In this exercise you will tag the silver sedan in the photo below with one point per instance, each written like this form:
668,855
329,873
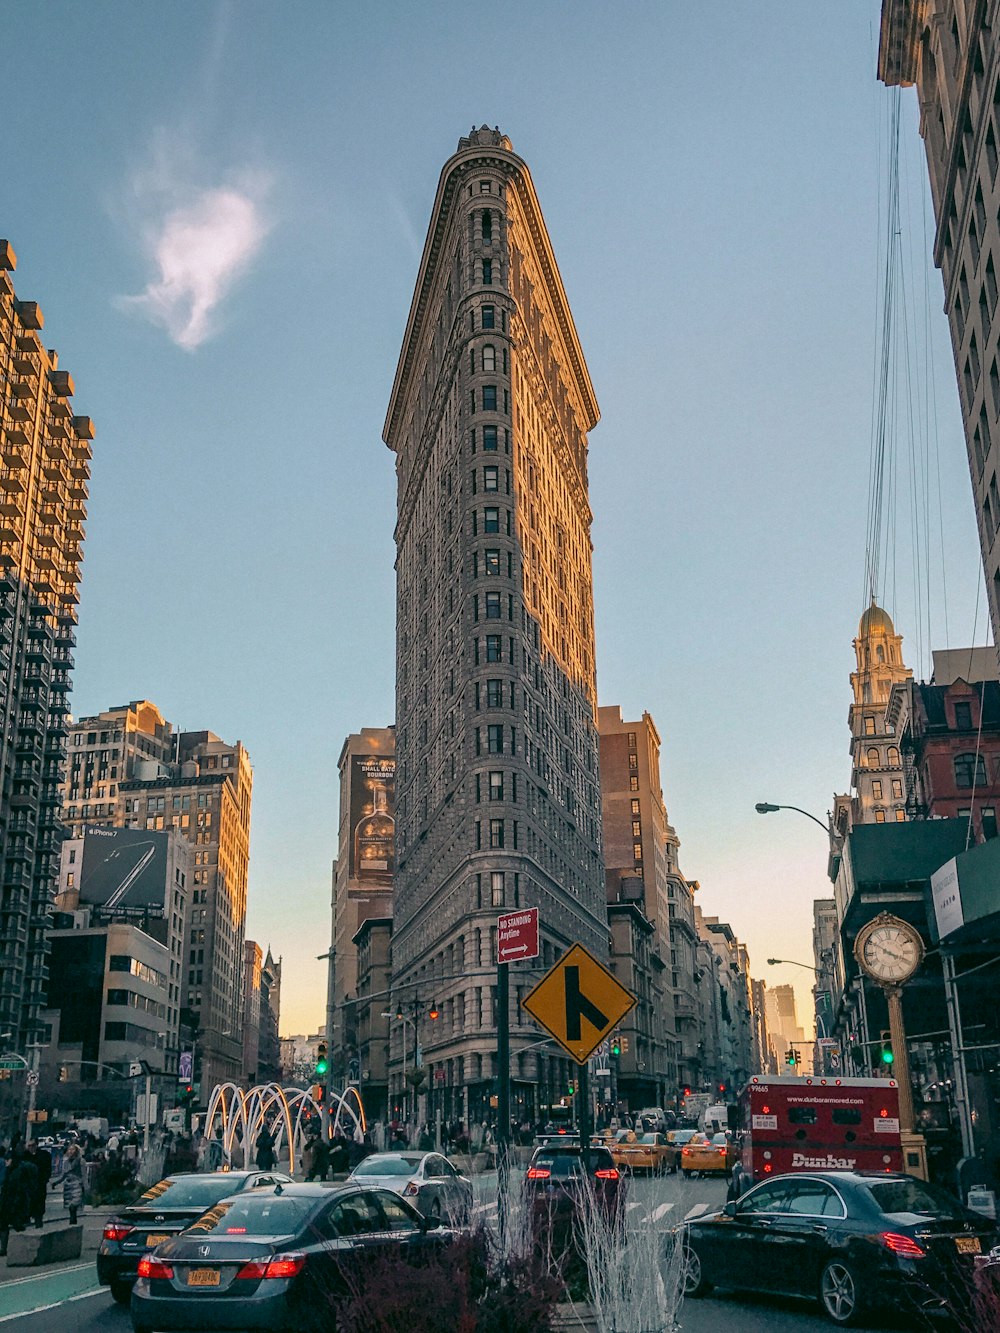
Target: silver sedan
426,1180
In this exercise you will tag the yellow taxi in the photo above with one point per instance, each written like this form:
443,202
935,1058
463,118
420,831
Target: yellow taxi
644,1152
706,1156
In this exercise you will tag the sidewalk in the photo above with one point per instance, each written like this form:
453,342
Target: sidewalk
93,1220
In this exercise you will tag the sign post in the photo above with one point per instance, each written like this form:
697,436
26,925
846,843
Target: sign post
517,938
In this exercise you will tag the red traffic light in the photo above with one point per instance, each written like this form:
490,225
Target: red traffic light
434,1011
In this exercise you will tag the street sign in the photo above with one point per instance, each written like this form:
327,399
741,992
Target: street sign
13,1062
135,1069
517,935
31,1078
578,1002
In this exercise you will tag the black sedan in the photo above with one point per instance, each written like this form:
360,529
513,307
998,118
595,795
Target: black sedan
855,1241
274,1258
164,1209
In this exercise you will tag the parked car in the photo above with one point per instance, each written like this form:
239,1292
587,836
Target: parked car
162,1211
273,1258
706,1156
646,1152
854,1240
426,1180
676,1139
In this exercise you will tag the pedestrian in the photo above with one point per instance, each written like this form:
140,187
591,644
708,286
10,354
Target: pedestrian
17,1194
73,1182
43,1167
322,1158
265,1150
309,1157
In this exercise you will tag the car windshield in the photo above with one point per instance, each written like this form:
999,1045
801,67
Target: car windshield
899,1198
683,1135
255,1214
650,1138
191,1191
388,1166
719,1139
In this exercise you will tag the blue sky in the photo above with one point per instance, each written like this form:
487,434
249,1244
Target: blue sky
220,210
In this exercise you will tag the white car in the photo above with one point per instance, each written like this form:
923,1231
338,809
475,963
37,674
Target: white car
427,1180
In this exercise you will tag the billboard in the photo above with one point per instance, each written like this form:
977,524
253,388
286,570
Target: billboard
373,828
124,870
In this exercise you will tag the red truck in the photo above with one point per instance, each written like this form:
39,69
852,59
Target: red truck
817,1124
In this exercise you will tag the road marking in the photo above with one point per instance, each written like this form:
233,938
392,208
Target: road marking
661,1211
54,1305
40,1277
697,1211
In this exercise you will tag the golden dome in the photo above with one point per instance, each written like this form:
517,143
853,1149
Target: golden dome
875,619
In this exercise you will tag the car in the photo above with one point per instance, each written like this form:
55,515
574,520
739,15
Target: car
166,1208
706,1156
646,1152
652,1119
426,1180
676,1139
853,1240
558,1187
272,1258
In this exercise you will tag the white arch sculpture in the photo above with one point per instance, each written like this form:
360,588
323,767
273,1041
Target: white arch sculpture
242,1114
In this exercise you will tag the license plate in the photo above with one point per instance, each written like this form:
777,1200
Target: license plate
204,1277
968,1245
156,1240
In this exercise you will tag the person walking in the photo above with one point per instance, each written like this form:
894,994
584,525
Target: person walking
43,1165
17,1194
265,1150
73,1182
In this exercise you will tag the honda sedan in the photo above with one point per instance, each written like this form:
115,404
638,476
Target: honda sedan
274,1259
854,1240
426,1180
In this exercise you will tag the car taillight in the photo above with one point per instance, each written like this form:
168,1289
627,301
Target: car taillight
903,1245
255,1268
412,1189
116,1231
607,1173
154,1268
286,1265
538,1173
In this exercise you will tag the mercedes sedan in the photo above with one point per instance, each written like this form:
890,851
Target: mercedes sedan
854,1240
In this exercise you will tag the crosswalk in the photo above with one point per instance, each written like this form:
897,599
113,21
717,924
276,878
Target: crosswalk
488,1208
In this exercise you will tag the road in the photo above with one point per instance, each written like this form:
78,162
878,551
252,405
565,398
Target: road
68,1301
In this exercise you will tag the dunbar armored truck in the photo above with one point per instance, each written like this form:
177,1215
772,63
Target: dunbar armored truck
817,1124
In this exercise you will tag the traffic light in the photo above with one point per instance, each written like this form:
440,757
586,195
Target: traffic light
790,1056
625,1045
571,1087
887,1055
616,1047
322,1064
187,1095
316,1092
798,1057
433,1012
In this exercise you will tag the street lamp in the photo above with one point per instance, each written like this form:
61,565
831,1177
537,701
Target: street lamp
766,808
773,962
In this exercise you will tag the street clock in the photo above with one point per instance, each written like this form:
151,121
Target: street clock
889,950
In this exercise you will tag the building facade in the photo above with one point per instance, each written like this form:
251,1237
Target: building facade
45,451
497,792
949,50
130,769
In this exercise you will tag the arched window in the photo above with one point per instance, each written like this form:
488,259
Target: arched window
873,758
880,654
487,225
970,771
893,757
490,358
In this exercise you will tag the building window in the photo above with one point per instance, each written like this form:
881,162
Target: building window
897,789
496,786
988,816
485,187
633,782
963,716
491,520
496,833
496,888
970,771
631,740
900,816
487,272
637,851
879,816
491,478
494,692
636,828
494,652
487,225
873,758
488,314
876,789
633,761
489,358
635,807
494,739
489,397
869,726
491,562
492,606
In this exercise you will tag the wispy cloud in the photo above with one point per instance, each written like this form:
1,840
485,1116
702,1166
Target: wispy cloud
200,239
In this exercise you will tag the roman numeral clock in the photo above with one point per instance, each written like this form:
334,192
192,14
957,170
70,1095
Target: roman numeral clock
889,950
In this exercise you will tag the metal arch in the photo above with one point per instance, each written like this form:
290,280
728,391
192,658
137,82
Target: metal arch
247,1110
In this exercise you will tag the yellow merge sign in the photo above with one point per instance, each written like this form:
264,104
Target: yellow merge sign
578,1002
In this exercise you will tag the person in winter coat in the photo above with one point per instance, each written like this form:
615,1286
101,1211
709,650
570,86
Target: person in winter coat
43,1165
265,1150
73,1182
17,1195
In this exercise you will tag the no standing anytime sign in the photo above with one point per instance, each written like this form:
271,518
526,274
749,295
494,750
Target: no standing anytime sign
517,935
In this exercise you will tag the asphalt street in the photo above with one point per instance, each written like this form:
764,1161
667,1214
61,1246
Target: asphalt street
68,1300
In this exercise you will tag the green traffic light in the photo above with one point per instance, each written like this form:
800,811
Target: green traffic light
887,1057
321,1066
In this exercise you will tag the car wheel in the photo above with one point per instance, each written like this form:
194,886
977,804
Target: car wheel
693,1275
121,1292
436,1209
840,1294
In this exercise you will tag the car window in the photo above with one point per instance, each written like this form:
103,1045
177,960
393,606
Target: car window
769,1198
397,1216
388,1166
436,1166
191,1191
802,1115
253,1214
357,1215
911,1196
812,1198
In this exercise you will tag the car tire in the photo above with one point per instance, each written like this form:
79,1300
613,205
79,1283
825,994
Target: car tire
436,1209
693,1276
121,1292
840,1294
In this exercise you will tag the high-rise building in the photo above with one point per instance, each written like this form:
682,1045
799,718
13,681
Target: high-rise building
949,50
497,791
44,466
877,776
128,768
269,1042
362,878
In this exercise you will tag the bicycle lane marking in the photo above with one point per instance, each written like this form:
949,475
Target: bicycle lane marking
43,1291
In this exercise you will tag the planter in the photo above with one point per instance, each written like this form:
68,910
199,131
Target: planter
574,1317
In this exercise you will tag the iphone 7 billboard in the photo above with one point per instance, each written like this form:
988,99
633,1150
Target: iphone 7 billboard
123,869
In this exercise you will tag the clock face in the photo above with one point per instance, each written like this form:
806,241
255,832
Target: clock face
892,952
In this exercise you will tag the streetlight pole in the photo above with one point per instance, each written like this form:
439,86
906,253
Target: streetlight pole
767,808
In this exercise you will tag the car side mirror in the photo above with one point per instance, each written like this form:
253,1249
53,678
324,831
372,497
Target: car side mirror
430,1224
730,1209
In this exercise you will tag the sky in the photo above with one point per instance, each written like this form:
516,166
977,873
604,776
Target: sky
220,209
